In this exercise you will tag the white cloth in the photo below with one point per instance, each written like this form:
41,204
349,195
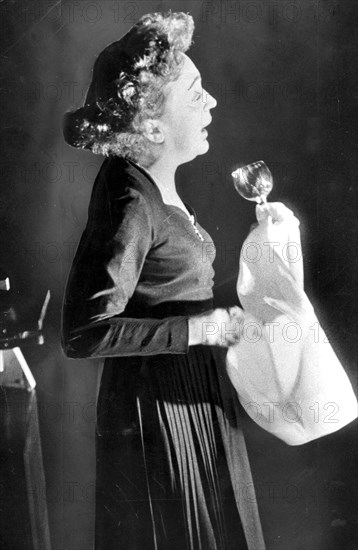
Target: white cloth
285,372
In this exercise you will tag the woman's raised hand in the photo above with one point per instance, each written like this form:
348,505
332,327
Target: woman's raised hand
275,212
219,327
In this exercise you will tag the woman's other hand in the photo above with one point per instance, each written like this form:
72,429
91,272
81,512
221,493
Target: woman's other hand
220,327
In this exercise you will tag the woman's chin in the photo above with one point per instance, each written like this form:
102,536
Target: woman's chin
201,150
204,147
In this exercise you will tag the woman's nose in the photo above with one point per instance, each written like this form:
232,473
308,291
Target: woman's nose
210,102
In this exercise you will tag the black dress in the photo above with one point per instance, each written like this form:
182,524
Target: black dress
172,466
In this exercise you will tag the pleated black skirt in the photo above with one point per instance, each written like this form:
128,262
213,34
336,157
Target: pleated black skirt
172,465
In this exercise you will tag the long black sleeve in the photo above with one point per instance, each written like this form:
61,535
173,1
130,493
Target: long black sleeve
103,278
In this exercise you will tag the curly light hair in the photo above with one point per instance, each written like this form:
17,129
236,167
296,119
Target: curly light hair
128,86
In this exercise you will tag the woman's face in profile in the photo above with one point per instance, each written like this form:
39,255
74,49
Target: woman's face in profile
186,114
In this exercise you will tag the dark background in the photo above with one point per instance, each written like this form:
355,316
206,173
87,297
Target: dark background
284,75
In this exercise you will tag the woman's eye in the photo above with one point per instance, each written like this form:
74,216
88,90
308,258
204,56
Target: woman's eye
197,96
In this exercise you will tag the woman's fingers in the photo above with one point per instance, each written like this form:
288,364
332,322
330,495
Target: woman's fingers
231,330
236,314
277,211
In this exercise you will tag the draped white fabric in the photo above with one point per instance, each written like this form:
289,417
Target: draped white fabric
286,374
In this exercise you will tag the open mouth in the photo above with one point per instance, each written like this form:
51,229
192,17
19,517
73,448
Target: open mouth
204,127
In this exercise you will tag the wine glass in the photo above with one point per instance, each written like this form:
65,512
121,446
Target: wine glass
253,182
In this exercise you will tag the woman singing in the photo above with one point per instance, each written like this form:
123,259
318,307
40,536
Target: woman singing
172,466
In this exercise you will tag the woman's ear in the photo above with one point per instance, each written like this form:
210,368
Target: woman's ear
153,131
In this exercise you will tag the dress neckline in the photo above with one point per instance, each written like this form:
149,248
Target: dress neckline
190,209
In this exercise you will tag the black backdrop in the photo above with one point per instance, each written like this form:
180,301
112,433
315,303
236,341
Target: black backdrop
284,75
